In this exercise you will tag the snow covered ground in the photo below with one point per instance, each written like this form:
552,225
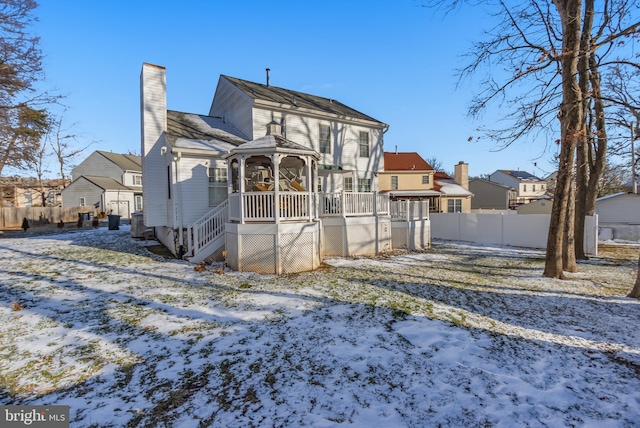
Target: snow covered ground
459,335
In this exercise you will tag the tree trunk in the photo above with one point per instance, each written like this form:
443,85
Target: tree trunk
636,288
582,149
569,251
571,125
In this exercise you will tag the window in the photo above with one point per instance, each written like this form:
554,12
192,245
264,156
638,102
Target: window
28,200
283,128
218,191
325,139
394,182
218,175
137,180
524,187
454,205
364,185
168,181
348,184
319,184
425,179
542,187
83,202
534,187
363,142
138,202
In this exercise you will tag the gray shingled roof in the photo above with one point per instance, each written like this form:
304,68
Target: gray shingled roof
521,175
126,162
106,183
198,127
274,94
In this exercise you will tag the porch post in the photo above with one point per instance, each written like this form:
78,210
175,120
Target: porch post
407,205
241,189
307,160
275,159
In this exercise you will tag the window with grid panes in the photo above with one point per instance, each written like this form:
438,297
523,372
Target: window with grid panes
363,143
364,185
394,182
325,139
218,192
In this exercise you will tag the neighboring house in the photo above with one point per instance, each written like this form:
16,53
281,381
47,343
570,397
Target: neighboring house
490,195
528,187
407,176
456,197
106,182
27,192
184,155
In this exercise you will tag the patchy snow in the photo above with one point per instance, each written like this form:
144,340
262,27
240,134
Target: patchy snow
459,335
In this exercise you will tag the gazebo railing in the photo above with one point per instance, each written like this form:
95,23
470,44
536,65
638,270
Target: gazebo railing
296,206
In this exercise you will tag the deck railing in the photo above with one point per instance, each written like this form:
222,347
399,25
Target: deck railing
350,204
409,210
208,227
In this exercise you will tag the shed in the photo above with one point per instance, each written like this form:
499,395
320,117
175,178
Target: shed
619,208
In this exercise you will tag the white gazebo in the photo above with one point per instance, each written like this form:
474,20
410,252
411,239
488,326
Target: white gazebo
273,221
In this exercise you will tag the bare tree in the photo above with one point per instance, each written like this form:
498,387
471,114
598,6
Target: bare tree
23,118
542,60
435,163
65,144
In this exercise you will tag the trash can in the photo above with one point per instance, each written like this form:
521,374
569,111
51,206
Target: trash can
114,222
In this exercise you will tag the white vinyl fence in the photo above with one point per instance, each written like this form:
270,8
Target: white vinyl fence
522,230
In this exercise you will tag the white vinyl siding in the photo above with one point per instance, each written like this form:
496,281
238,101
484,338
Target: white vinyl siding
305,130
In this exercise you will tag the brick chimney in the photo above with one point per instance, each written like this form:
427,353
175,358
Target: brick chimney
461,174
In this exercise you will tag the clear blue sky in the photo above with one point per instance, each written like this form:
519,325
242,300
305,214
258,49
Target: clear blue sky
393,60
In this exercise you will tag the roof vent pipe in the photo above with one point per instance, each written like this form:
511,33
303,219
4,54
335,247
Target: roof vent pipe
268,70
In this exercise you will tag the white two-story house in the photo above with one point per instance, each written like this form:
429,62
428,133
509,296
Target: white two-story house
184,155
106,182
528,187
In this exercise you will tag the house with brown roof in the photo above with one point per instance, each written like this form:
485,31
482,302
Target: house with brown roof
407,176
106,182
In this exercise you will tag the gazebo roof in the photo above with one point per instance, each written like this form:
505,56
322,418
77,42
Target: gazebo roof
272,143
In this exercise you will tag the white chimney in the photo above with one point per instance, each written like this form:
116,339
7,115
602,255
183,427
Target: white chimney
153,123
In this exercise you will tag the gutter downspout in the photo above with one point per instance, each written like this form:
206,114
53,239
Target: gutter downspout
178,208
